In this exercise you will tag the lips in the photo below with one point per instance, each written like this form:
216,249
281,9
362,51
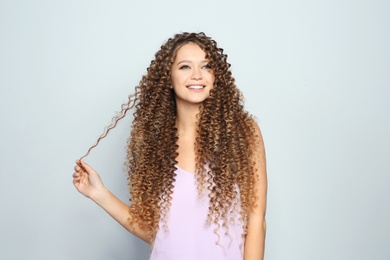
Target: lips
196,86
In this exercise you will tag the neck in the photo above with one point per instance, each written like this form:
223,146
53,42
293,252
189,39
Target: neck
186,120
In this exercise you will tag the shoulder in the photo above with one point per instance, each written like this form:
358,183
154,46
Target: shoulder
256,132
257,147
255,126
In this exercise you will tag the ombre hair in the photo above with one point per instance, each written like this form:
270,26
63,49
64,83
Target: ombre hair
224,144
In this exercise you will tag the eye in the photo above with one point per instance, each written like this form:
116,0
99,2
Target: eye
207,67
184,67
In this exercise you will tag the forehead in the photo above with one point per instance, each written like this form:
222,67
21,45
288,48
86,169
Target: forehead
190,51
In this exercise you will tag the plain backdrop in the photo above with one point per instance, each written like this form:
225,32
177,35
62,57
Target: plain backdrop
316,74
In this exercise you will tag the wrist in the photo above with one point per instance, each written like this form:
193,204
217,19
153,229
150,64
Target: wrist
99,196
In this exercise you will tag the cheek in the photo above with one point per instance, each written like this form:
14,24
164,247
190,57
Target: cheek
173,79
211,79
177,77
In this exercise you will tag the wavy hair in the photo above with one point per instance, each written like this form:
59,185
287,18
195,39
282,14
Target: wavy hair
224,144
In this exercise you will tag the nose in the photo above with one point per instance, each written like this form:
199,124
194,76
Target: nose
196,74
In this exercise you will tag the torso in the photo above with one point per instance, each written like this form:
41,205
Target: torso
189,236
186,158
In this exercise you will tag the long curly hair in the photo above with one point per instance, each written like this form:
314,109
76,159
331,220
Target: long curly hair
224,144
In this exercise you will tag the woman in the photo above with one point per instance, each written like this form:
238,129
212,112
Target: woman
195,158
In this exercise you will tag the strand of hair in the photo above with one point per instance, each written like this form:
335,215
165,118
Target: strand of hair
114,121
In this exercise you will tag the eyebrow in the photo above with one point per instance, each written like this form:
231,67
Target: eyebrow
190,61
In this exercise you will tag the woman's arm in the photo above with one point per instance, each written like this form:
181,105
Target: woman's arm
255,237
87,181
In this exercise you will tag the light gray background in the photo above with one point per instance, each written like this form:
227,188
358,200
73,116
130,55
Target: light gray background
314,73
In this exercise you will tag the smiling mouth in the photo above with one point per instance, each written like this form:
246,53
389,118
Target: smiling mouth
196,86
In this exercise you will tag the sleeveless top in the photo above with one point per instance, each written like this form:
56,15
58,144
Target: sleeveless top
189,236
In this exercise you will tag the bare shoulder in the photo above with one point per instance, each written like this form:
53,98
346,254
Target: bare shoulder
259,159
259,149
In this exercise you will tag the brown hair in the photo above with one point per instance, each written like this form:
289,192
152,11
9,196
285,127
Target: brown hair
224,144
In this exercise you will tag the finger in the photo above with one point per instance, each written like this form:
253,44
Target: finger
76,177
76,182
80,167
79,163
85,166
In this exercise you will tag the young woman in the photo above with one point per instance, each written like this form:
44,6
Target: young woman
195,159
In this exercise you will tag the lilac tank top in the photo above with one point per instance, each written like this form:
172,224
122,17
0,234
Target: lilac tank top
189,237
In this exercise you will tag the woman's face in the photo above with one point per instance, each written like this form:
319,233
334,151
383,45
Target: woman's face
192,78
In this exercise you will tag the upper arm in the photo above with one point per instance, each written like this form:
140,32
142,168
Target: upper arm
255,237
260,174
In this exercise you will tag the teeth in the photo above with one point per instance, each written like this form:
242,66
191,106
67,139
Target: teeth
195,87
